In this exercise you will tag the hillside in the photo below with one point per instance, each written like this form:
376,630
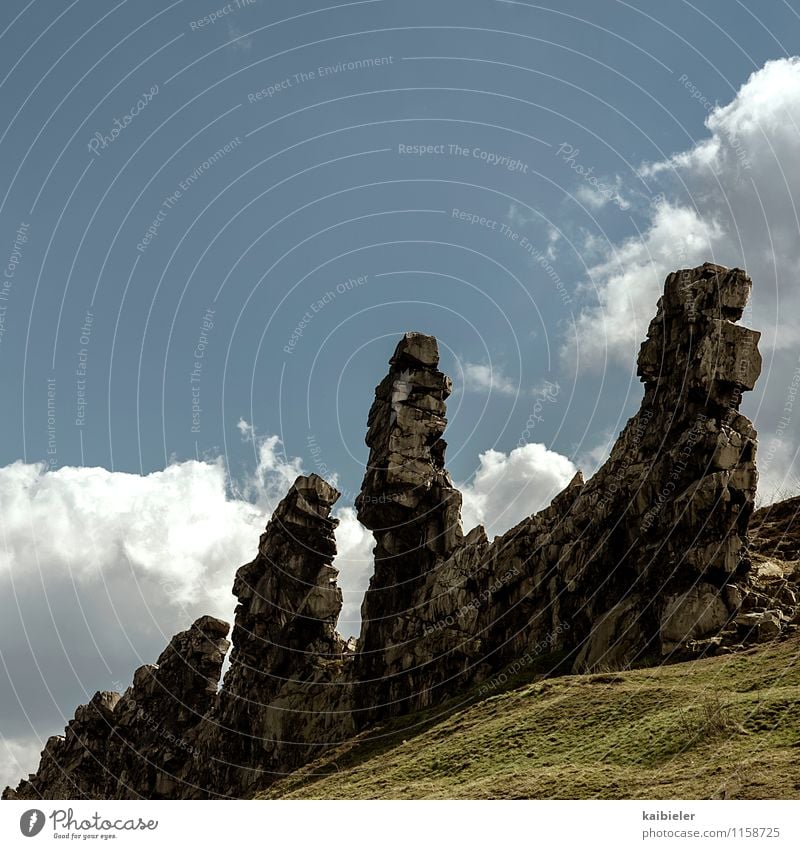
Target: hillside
724,727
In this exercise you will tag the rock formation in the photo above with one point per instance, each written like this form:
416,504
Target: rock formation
771,596
644,559
410,504
648,561
154,719
288,664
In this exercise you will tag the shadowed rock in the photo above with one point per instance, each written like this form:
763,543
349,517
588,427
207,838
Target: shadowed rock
286,691
410,504
132,746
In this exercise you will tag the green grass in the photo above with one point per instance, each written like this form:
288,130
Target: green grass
725,727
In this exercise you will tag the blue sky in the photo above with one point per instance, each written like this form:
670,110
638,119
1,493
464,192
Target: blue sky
317,193
218,219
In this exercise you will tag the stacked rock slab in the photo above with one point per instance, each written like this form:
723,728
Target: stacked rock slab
683,475
645,558
134,746
410,504
286,693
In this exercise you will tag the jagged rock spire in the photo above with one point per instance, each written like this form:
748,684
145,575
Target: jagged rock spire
407,500
287,655
288,597
683,474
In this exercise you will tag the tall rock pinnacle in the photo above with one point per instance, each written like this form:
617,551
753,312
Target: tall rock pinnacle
406,489
678,490
287,659
407,498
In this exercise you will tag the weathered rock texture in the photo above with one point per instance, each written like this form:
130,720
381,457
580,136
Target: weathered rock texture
410,504
642,560
286,692
647,561
770,598
155,718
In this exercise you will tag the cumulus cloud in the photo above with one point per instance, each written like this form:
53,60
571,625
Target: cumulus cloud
628,281
508,487
274,472
18,758
482,377
355,563
732,198
176,527
97,570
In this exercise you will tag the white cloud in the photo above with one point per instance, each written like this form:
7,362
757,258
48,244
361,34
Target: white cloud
355,564
480,377
18,758
733,199
275,472
508,487
627,283
596,198
97,570
174,527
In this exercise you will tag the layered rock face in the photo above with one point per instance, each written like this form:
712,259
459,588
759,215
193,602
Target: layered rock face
410,504
155,718
678,489
286,692
647,561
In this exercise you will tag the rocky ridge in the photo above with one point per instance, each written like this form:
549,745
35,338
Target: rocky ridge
648,561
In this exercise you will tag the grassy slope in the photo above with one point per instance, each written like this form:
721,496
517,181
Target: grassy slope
726,727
